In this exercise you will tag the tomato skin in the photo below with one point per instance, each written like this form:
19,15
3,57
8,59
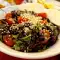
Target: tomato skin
18,1
8,15
10,21
21,19
8,40
44,15
9,18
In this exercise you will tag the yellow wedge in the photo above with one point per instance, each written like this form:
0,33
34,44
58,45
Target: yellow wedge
2,6
45,4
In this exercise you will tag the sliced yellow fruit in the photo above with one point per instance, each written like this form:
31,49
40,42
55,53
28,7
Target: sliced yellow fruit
2,6
9,1
45,4
40,1
48,5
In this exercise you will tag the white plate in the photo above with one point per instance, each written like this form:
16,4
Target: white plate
52,51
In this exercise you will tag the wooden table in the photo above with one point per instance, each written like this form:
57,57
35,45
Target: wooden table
7,57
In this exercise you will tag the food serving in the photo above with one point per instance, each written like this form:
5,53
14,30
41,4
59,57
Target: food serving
27,31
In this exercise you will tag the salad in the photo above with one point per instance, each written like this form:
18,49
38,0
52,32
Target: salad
27,31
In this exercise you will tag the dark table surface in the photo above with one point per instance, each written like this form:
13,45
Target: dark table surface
7,57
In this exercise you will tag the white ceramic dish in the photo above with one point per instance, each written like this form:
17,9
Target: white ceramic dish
52,51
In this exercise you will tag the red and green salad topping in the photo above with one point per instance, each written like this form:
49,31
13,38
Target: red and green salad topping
27,31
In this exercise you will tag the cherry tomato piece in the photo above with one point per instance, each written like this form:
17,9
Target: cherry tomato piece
8,40
44,15
10,21
8,15
21,19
